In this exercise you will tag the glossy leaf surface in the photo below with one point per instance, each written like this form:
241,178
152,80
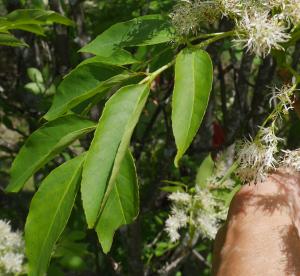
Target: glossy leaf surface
110,143
193,83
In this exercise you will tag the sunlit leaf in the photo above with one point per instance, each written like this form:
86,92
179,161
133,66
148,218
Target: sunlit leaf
108,148
144,30
193,83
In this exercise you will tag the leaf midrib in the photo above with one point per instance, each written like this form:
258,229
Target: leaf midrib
120,202
111,184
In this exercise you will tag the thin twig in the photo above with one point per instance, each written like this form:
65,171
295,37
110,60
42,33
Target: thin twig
200,257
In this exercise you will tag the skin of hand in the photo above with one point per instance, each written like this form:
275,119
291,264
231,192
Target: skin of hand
261,234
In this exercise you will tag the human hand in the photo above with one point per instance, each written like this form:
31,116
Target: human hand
261,234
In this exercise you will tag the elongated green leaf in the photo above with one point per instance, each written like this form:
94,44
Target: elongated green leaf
116,57
9,40
193,83
43,145
83,83
36,29
80,84
111,140
49,212
144,30
36,16
4,23
205,171
115,60
122,205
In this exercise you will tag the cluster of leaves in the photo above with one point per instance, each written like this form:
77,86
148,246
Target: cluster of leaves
127,78
30,20
107,172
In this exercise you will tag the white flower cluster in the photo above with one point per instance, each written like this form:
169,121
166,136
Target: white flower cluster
188,16
178,219
291,10
234,8
11,250
261,25
284,97
256,157
201,210
260,33
291,159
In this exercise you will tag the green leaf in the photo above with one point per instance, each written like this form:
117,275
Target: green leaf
111,140
193,83
43,145
35,75
117,56
34,87
4,24
122,205
80,84
144,30
115,60
205,171
49,212
10,40
172,189
36,29
36,16
38,4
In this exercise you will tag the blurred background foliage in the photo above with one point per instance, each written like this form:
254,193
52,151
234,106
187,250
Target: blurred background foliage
28,80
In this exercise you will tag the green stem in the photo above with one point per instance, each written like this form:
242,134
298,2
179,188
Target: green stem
278,107
206,36
144,64
231,169
214,39
154,74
